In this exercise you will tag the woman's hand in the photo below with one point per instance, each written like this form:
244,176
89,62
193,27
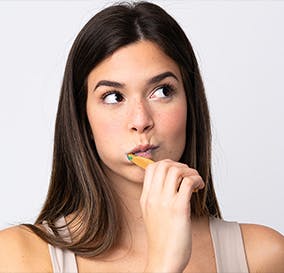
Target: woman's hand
165,204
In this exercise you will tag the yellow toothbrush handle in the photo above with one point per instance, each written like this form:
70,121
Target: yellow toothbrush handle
139,160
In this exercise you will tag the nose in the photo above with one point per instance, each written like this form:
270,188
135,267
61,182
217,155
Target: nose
140,118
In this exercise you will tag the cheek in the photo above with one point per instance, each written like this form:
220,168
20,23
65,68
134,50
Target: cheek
174,122
104,128
174,131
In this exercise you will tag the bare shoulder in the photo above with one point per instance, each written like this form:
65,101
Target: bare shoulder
23,251
264,248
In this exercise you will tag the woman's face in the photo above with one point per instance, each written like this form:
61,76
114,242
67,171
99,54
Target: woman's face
136,103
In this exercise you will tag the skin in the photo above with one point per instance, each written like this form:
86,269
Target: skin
158,233
145,114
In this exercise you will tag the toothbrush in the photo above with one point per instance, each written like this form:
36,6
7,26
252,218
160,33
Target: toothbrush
139,160
143,162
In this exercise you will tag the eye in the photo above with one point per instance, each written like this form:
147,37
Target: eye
164,91
112,97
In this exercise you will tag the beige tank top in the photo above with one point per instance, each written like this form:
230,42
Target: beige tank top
226,237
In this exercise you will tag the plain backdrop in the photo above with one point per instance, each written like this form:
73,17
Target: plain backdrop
240,48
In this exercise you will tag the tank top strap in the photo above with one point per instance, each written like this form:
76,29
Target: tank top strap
62,260
228,246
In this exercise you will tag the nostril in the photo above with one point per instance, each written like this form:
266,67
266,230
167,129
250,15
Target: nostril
140,119
147,128
143,129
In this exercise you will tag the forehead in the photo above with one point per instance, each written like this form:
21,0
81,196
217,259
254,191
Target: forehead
140,61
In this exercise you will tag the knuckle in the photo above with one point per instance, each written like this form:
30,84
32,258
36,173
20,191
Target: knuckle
184,165
167,160
195,172
187,181
175,171
164,164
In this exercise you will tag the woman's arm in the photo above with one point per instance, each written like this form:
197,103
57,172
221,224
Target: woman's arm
264,248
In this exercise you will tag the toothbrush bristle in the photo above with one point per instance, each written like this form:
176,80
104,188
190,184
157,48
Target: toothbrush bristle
129,156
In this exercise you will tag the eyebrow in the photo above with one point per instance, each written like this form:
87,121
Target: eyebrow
151,81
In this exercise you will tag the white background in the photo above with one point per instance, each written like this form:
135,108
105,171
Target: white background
240,48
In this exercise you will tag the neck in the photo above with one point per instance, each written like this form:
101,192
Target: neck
133,230
133,235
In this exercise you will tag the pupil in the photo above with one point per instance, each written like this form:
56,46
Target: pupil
166,91
118,97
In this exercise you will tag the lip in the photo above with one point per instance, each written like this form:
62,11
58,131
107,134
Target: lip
143,150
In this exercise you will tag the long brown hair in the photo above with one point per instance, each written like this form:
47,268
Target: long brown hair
78,185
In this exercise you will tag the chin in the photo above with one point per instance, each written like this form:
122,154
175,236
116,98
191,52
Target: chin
136,177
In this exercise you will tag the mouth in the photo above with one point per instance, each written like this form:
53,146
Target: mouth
144,150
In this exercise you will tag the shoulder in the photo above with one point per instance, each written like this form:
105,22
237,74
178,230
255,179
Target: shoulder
23,251
264,248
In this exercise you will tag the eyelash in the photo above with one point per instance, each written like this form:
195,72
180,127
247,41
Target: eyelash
109,93
169,86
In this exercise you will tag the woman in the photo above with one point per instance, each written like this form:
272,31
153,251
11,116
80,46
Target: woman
132,85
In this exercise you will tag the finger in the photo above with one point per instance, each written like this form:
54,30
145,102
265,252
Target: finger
148,178
160,175
154,180
175,176
188,185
